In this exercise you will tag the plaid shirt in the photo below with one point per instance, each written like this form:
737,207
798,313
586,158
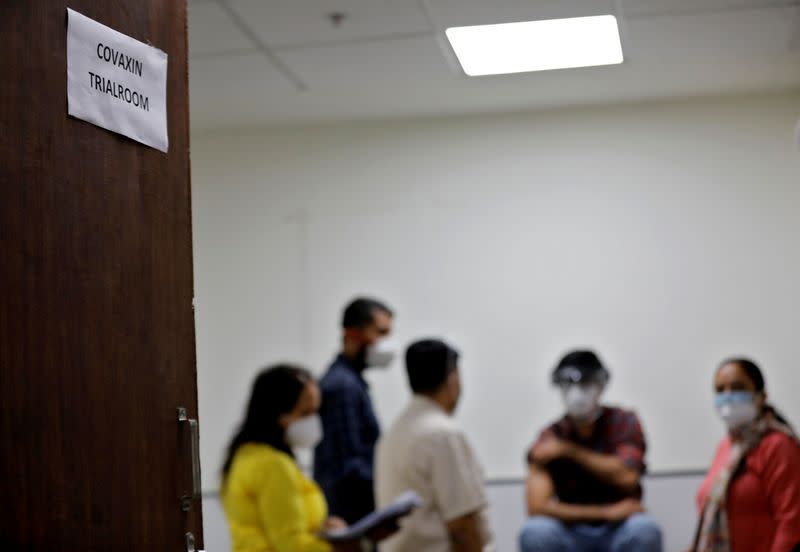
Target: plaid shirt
616,432
350,428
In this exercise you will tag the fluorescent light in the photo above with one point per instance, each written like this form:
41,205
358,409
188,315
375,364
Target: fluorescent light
537,45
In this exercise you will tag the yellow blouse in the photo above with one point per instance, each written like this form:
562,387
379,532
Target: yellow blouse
271,505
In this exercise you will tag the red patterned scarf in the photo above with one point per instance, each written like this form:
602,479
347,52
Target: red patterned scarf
712,531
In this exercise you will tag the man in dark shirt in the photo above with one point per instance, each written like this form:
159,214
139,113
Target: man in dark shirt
343,462
584,489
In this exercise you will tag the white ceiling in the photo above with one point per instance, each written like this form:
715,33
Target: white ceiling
262,62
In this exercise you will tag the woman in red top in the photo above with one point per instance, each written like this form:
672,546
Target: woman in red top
750,499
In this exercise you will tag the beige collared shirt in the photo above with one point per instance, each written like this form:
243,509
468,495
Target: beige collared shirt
425,451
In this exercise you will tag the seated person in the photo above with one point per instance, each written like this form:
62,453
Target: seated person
750,499
426,452
270,505
584,489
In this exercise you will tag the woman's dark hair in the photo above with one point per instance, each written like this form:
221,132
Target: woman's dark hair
756,376
275,392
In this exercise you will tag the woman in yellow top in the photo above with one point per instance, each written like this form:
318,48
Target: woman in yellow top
270,504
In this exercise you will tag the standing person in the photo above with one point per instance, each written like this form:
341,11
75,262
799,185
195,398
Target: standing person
584,489
270,505
425,451
343,463
750,499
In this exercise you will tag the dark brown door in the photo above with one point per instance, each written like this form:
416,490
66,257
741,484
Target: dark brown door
96,320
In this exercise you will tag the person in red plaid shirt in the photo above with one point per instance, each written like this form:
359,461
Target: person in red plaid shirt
584,490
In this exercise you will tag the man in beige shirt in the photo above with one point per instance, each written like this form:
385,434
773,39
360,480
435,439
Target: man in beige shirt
425,451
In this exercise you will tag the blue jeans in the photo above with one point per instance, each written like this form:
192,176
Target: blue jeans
639,533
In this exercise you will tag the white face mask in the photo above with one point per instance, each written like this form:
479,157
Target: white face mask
381,354
582,401
305,432
737,408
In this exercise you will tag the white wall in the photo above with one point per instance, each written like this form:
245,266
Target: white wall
662,234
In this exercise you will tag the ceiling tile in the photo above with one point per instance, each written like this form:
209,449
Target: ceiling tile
637,8
455,13
211,31
712,37
406,74
297,22
220,86
404,62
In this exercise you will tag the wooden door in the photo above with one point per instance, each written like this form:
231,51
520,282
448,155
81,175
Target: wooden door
96,319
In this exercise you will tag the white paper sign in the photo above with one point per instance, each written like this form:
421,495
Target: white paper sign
116,82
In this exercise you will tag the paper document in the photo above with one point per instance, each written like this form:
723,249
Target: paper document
116,82
402,506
